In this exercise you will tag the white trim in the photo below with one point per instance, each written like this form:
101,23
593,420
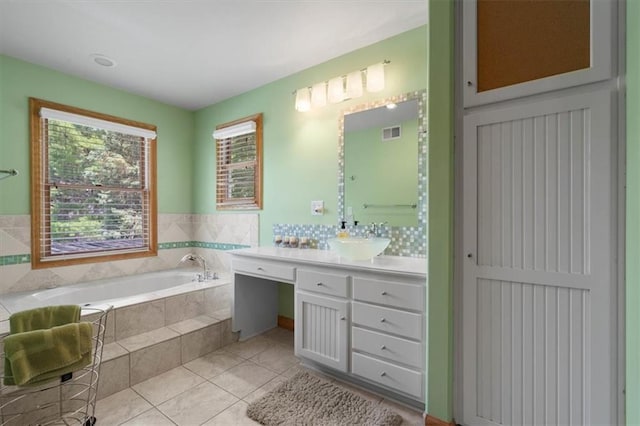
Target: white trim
83,120
239,129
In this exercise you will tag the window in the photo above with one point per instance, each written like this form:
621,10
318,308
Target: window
239,164
93,186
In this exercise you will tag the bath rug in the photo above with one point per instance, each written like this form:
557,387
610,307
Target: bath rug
309,400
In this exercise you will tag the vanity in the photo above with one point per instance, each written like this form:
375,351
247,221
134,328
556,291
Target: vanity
360,321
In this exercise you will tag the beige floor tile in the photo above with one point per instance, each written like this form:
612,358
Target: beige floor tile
152,417
243,379
120,407
264,389
278,358
250,347
165,386
232,416
213,364
198,405
410,416
280,335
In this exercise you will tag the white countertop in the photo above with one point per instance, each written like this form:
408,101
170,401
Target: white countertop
395,264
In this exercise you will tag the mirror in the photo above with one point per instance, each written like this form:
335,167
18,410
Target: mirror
383,176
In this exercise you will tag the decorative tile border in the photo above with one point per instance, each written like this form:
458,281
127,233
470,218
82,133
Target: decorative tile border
17,259
406,241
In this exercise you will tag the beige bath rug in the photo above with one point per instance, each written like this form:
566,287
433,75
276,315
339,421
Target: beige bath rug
309,400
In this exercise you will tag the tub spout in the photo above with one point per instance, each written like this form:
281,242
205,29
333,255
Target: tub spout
191,257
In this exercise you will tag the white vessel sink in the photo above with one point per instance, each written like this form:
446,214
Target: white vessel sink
358,248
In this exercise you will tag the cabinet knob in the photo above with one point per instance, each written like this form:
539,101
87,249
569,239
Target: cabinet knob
383,319
383,347
383,374
469,83
260,268
318,284
384,293
343,318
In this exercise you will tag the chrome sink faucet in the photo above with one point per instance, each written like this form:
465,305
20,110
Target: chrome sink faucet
374,229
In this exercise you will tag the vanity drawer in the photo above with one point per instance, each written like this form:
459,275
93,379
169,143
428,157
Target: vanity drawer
389,320
321,282
385,346
272,270
405,296
387,374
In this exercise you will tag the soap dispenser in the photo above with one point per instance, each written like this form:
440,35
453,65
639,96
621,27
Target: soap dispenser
343,233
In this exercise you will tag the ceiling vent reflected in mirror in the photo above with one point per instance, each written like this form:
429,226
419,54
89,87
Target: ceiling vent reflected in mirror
391,133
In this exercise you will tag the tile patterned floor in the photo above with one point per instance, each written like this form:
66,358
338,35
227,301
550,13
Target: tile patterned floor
214,390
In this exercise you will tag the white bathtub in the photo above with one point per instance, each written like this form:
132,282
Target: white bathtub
118,292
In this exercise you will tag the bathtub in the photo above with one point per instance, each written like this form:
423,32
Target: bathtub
118,292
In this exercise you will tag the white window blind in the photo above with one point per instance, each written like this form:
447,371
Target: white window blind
95,186
236,170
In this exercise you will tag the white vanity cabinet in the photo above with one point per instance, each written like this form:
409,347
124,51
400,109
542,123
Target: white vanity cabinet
363,320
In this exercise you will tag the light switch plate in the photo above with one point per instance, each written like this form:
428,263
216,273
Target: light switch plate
317,208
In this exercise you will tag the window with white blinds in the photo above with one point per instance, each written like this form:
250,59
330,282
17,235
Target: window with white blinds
239,164
93,185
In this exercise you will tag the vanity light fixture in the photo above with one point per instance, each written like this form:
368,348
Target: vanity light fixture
239,129
338,89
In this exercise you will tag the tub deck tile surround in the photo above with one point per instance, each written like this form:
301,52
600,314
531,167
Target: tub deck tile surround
153,360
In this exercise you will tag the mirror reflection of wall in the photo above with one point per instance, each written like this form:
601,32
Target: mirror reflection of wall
380,165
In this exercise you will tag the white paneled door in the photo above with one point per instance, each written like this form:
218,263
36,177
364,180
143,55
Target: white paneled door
539,236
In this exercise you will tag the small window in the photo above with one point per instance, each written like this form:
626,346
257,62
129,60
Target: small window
93,186
239,164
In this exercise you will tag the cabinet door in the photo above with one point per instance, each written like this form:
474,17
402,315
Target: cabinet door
322,330
513,49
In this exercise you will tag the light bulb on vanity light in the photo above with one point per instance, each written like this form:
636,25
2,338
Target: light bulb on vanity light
375,77
319,95
303,100
335,91
354,84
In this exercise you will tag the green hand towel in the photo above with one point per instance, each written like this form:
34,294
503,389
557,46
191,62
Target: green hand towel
41,355
41,318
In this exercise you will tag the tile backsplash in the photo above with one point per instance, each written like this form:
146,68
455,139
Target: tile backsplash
178,234
405,240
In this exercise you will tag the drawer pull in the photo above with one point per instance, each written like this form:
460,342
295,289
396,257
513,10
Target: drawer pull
318,284
343,318
260,268
383,320
383,347
383,374
384,293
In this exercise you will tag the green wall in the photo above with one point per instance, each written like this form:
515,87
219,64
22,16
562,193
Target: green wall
633,212
301,149
20,80
440,206
384,172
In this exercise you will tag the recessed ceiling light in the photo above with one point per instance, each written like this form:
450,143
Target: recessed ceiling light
391,106
103,60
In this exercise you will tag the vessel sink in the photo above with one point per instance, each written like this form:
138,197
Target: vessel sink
358,248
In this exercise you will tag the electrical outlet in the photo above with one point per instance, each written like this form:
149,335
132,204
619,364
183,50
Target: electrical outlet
317,208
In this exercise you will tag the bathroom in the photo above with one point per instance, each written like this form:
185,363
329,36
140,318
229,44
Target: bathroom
300,159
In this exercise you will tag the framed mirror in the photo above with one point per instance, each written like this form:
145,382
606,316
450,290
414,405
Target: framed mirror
382,164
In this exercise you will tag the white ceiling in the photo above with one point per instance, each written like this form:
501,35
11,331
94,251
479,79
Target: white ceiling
194,53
